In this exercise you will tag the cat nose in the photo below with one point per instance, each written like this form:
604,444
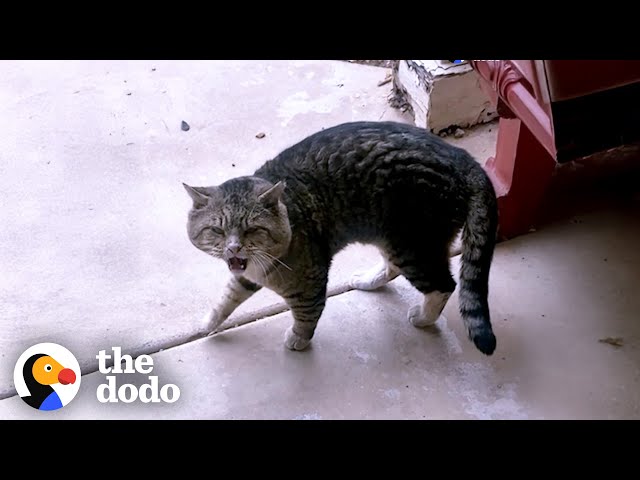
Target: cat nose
234,247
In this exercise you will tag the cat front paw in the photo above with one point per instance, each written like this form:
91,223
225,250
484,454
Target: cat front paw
293,341
212,320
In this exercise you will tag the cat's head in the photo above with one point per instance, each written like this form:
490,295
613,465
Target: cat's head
240,221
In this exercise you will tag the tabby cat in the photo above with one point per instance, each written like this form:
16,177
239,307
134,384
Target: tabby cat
388,184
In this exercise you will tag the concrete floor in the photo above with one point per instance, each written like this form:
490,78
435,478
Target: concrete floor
95,255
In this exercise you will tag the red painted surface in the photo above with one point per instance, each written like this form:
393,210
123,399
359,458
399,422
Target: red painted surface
515,97
526,151
521,172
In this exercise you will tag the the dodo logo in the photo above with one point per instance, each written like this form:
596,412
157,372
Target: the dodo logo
47,376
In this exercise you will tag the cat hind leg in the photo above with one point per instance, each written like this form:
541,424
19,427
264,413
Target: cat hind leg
428,312
432,277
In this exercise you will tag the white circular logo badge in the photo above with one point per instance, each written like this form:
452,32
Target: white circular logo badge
47,376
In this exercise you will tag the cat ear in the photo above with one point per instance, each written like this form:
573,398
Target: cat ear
271,196
198,195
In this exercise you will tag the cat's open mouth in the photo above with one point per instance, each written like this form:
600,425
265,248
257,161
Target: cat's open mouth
237,264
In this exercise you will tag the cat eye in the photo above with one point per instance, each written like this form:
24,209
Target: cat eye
251,230
216,230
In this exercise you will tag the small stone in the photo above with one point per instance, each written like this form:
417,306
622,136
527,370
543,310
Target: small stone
184,126
261,135
459,133
614,341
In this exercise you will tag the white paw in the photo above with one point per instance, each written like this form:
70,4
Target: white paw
294,342
418,319
212,321
370,279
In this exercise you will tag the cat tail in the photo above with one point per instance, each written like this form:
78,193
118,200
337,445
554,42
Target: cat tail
478,243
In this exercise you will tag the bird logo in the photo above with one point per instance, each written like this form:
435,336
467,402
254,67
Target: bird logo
47,376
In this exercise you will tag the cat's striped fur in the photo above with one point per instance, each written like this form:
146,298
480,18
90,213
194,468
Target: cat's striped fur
388,184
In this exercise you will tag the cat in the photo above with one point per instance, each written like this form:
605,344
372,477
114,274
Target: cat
388,184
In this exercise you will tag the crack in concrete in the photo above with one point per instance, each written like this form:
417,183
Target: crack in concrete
241,320
244,319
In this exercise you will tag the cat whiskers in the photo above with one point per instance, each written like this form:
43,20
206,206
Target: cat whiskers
259,254
265,263
262,252
260,263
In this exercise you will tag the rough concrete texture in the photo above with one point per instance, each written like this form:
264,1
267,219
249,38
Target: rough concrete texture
479,140
93,244
554,295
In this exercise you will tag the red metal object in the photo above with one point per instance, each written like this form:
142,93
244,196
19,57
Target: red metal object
521,172
525,150
526,93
